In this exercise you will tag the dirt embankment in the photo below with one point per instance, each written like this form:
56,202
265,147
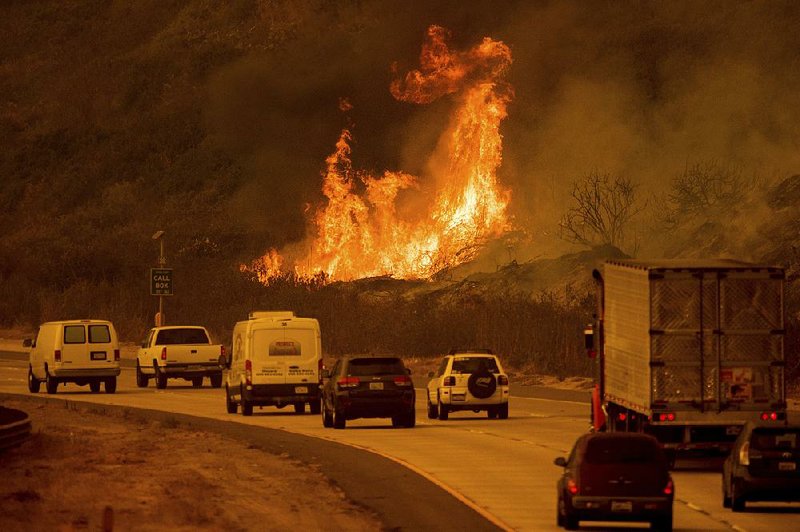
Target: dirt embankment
98,469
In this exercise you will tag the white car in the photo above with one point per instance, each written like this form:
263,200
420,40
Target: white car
468,380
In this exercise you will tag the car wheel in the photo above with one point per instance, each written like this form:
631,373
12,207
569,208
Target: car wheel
726,499
50,382
560,512
570,519
216,380
161,377
230,406
314,407
33,382
299,408
502,411
491,412
663,523
247,406
141,378
94,386
482,384
433,410
410,419
737,499
339,421
444,411
327,418
111,385
397,421
197,382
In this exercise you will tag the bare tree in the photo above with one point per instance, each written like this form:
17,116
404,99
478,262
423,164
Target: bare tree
603,207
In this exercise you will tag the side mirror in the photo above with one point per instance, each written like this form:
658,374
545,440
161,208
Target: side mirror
27,342
560,461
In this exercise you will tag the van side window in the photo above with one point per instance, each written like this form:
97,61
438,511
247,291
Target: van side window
74,334
99,334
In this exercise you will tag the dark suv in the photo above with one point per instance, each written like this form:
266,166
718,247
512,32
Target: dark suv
615,476
368,387
764,465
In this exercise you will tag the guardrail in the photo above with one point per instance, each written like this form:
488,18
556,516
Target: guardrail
16,427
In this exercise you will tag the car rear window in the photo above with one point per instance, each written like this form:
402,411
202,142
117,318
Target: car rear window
74,334
621,450
99,334
182,336
473,364
768,439
375,366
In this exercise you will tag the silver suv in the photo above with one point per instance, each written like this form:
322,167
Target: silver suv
468,380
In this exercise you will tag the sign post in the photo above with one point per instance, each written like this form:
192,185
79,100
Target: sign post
160,280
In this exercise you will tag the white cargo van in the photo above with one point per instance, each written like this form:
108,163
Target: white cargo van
276,361
79,351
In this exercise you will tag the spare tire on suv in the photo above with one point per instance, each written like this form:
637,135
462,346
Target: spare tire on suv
482,384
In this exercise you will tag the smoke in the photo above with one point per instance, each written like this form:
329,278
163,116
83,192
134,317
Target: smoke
629,88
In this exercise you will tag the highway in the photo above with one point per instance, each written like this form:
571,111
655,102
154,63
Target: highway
502,468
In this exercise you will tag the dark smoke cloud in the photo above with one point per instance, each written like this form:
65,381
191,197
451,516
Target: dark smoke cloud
639,89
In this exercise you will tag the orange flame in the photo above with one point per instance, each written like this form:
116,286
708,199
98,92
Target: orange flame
361,235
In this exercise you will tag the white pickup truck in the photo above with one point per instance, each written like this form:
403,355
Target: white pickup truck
179,352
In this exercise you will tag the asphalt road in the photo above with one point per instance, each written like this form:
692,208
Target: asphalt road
501,469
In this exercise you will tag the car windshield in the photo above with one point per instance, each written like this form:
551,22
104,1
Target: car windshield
182,336
621,450
474,364
767,439
375,366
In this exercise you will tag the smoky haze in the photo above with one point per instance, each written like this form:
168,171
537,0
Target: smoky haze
641,90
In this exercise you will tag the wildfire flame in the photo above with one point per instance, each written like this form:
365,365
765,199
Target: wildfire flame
361,235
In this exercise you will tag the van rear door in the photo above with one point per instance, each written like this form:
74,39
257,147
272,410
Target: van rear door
285,354
87,345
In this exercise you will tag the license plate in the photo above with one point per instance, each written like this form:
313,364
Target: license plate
787,466
459,397
98,355
376,386
195,368
301,389
621,506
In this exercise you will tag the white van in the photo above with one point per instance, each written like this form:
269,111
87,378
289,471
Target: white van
78,351
276,360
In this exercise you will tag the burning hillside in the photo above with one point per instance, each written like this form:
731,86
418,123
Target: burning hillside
359,232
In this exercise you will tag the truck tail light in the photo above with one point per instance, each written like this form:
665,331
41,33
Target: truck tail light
116,355
502,380
403,380
770,416
248,372
348,382
572,487
669,488
57,355
163,353
449,381
666,416
744,454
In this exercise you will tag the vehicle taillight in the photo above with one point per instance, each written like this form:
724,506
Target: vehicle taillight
668,489
248,372
449,381
163,353
622,416
744,454
769,416
502,380
666,416
222,353
116,355
572,487
348,382
403,380
57,355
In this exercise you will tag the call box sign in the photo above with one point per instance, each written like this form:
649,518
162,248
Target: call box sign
160,281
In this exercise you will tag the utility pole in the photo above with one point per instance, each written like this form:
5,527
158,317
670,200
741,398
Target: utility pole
162,261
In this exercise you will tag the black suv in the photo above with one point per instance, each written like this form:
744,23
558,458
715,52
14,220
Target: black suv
368,387
764,465
615,476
